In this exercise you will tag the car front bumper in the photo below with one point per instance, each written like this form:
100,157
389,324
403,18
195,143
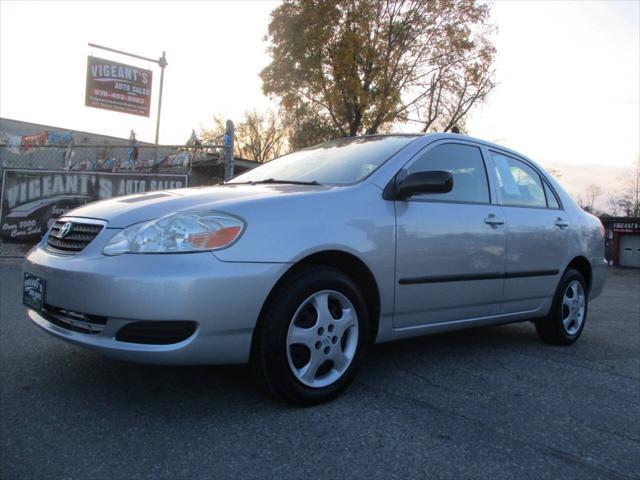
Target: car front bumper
224,300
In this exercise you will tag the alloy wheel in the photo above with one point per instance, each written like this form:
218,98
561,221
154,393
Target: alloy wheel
573,307
322,338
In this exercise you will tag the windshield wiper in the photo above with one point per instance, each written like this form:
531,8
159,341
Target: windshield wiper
274,180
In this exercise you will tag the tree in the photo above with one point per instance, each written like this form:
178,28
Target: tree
613,204
631,193
554,172
259,136
306,126
215,134
587,199
591,193
360,65
627,200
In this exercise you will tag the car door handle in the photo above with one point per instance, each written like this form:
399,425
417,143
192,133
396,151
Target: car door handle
493,220
560,223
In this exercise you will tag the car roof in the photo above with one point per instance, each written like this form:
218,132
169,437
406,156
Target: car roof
432,137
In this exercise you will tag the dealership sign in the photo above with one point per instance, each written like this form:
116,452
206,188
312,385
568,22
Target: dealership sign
118,87
626,227
31,200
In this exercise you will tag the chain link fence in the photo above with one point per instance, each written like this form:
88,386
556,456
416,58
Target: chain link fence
40,182
109,157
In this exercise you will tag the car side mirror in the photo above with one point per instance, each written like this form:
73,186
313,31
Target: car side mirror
424,182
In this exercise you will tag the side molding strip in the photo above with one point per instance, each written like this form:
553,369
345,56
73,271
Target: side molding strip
532,273
472,277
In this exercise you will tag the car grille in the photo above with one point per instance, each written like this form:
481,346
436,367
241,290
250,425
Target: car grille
75,321
74,239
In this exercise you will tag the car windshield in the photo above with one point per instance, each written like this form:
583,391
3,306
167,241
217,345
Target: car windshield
338,162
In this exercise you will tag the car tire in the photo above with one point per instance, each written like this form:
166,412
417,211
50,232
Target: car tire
303,356
568,314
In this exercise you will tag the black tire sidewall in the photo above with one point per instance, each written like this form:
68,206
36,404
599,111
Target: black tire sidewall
279,316
556,313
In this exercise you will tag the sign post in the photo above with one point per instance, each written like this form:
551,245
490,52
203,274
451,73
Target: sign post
163,63
228,144
119,101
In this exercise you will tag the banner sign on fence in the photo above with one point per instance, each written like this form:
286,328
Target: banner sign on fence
118,87
31,200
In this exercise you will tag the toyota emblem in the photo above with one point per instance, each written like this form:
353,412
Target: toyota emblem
65,229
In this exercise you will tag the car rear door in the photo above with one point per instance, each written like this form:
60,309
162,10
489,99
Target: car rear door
450,248
538,233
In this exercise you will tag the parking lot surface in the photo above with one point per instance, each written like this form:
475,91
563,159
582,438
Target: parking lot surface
485,403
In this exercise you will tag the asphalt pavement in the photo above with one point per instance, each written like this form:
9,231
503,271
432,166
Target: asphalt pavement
485,403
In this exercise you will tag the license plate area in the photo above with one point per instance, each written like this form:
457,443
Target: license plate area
33,288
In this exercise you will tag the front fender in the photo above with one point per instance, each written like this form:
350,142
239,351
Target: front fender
354,220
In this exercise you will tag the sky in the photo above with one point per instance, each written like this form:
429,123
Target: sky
568,74
568,93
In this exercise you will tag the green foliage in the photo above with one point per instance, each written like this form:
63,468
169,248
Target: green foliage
347,67
307,126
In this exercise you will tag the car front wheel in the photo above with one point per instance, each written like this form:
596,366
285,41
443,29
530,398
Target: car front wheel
312,336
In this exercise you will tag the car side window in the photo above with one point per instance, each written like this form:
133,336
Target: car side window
552,200
466,166
520,185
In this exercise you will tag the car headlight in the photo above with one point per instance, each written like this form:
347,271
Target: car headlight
177,233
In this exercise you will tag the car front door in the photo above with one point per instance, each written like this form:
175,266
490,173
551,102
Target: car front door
450,247
537,234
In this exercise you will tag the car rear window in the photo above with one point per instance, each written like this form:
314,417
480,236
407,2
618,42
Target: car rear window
520,185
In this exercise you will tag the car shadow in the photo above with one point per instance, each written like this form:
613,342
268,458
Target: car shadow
212,390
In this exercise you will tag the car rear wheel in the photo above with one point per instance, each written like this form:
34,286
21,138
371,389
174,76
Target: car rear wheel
312,337
568,313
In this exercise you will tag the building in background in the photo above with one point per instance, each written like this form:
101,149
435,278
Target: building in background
622,240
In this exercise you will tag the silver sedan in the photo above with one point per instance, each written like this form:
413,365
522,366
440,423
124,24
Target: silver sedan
299,265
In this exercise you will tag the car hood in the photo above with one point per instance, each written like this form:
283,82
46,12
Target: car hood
121,212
